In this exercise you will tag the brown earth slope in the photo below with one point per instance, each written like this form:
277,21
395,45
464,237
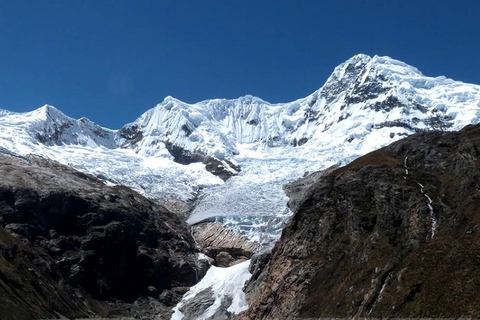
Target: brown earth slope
71,246
396,233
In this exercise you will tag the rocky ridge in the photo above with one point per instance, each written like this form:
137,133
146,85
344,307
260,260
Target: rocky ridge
73,247
392,234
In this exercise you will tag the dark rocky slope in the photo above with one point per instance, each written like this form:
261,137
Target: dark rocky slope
393,234
71,246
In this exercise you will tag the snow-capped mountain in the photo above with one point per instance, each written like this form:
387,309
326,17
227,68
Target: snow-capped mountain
181,153
49,126
175,150
363,96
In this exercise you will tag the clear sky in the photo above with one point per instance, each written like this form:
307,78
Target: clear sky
112,60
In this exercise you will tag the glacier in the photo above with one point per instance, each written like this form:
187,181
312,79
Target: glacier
366,103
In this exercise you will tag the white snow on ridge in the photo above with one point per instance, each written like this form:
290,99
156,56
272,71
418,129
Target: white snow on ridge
90,148
47,125
354,95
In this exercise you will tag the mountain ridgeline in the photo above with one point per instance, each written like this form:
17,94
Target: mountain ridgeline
365,99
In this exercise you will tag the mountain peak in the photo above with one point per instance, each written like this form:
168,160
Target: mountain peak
395,66
360,64
350,68
361,57
168,99
49,111
249,97
48,108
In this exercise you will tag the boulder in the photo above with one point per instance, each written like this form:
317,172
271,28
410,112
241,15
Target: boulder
225,247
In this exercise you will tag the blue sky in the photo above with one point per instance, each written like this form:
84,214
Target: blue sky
112,60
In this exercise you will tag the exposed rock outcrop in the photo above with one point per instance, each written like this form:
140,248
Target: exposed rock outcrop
392,234
296,190
224,170
71,246
225,247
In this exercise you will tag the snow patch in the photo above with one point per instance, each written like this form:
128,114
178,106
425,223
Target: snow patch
226,283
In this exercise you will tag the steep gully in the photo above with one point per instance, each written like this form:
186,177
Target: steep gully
429,201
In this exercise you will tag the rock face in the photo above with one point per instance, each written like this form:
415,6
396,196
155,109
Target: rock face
226,248
393,234
295,190
69,244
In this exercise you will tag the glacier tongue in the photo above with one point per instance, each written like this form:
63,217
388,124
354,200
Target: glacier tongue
253,203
